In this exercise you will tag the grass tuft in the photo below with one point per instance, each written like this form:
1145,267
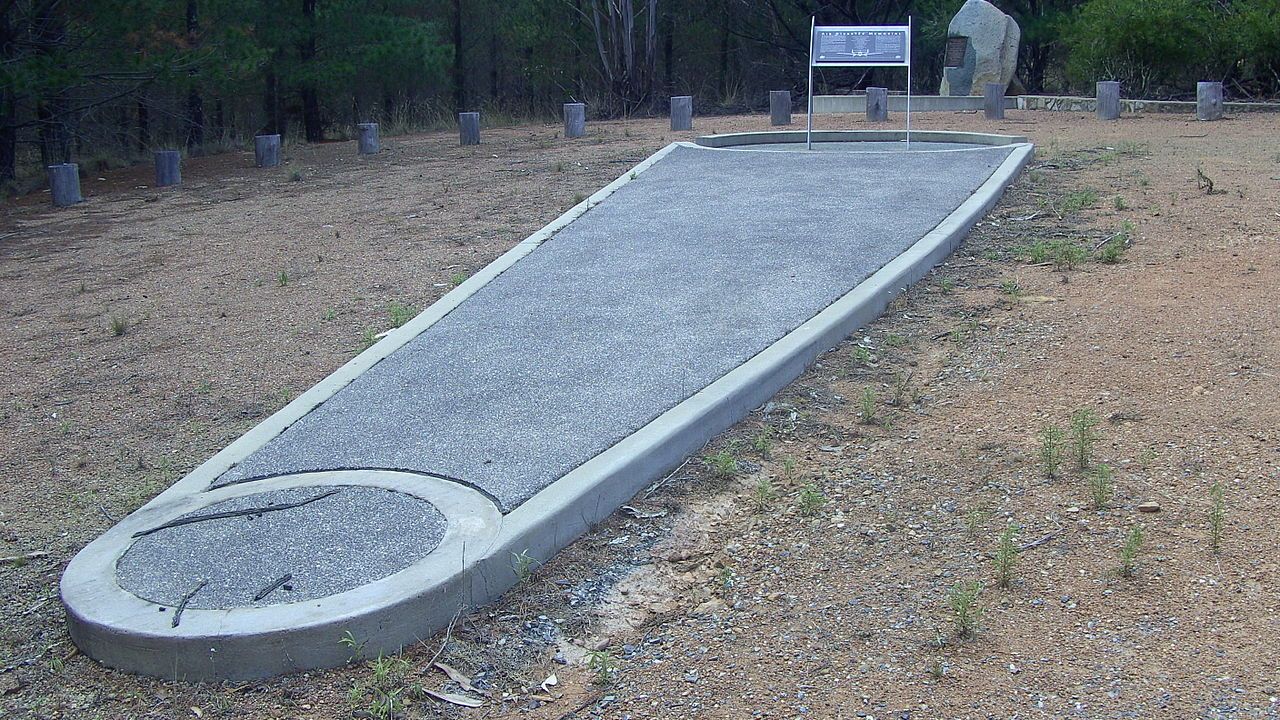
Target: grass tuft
966,615
1051,450
1101,486
1006,556
1083,436
1129,553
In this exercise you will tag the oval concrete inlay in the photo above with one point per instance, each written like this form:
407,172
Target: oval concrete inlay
333,539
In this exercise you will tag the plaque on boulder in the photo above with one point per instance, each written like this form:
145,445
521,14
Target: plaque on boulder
957,48
982,47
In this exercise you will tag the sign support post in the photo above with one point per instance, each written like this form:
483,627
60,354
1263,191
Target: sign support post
808,132
858,46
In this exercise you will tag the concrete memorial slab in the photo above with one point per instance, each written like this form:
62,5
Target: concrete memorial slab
528,403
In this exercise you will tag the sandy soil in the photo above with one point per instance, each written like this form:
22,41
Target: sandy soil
808,569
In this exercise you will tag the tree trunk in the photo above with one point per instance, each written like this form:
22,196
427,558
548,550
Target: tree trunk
459,61
8,104
493,63
312,125
668,50
144,125
271,106
49,31
195,104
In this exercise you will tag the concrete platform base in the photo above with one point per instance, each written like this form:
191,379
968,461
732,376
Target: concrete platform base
487,433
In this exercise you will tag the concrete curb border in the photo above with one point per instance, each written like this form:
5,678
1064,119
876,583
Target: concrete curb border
109,624
820,136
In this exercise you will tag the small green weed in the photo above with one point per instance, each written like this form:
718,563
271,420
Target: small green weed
368,337
947,286
763,495
457,279
1129,553
295,176
602,666
1114,248
1067,255
1006,556
1011,288
282,279
400,313
1079,200
861,356
349,641
522,563
894,340
1101,486
902,393
1083,436
118,326
966,615
723,464
867,406
789,469
762,443
810,500
1051,449
1119,204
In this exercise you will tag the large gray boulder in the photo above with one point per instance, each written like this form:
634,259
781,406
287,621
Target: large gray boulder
991,53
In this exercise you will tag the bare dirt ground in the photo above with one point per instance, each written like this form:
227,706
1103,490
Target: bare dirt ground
808,563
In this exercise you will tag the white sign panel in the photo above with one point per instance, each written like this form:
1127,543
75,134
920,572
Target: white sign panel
859,45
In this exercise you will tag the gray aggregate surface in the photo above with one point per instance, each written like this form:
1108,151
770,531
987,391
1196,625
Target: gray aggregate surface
337,543
681,275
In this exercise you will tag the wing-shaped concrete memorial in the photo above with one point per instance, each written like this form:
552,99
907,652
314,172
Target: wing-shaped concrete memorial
528,403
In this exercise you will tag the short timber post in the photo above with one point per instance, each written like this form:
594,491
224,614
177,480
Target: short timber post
1209,101
266,150
64,184
469,128
993,101
1108,94
168,168
368,144
877,104
575,120
682,112
779,107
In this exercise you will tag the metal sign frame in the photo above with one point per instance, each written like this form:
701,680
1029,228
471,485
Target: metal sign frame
903,30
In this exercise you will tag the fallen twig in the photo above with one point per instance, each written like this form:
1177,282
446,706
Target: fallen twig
654,487
234,513
182,605
273,586
25,557
1038,542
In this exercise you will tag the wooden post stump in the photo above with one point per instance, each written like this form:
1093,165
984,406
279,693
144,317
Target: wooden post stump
575,120
368,143
1108,94
168,168
993,101
682,112
779,107
266,150
1209,101
469,128
877,104
64,184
